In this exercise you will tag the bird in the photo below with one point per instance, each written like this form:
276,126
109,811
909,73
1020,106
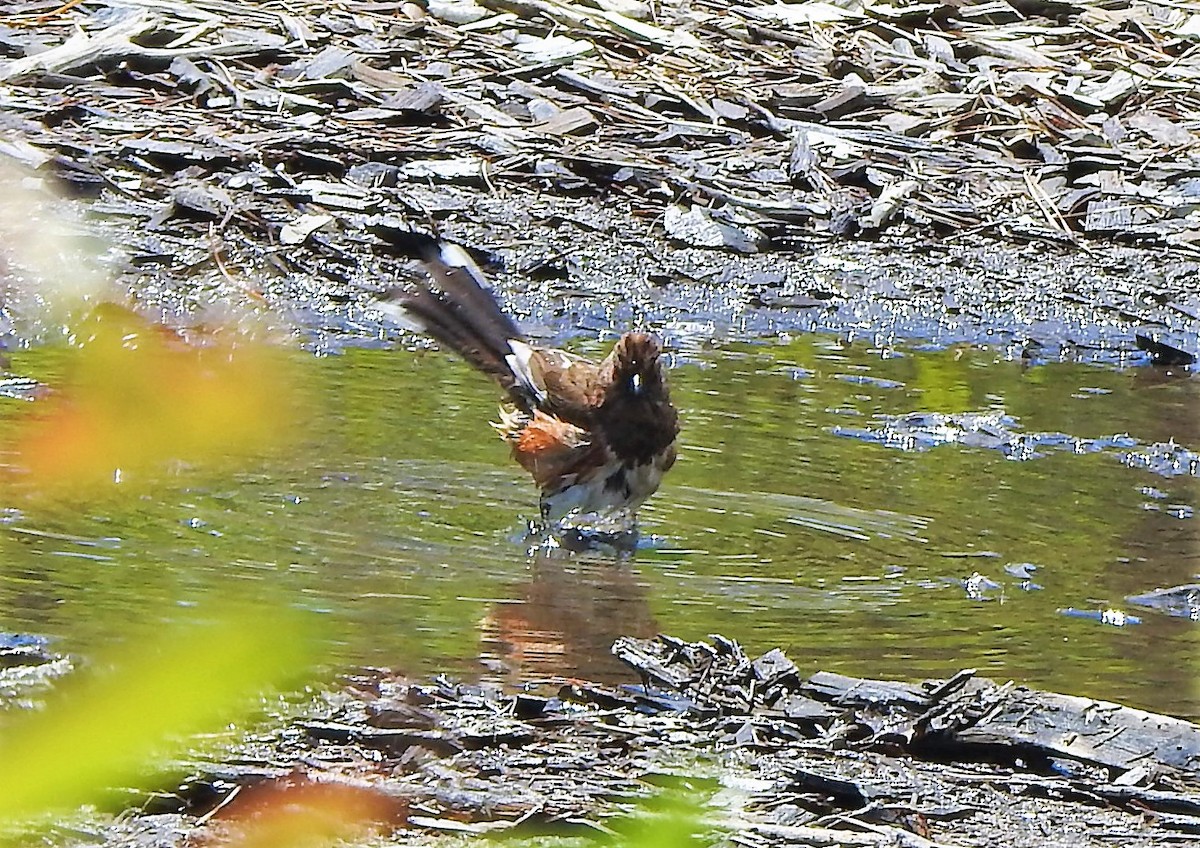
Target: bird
597,437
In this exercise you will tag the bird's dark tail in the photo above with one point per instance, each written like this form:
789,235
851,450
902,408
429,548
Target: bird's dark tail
456,307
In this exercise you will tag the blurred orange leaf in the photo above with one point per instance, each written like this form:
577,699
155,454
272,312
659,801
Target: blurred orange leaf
138,395
296,812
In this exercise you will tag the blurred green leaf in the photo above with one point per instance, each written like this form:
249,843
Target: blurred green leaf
106,728
673,818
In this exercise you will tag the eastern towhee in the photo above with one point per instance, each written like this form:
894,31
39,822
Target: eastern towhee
597,437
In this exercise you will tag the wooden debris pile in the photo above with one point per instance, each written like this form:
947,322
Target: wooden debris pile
740,125
781,760
915,758
965,718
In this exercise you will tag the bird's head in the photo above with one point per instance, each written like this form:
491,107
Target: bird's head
636,417
637,369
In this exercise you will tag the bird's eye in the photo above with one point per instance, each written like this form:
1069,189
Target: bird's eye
635,384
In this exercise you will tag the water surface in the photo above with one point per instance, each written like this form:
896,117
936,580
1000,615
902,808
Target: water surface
899,513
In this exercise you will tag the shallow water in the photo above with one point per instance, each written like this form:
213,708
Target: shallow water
813,508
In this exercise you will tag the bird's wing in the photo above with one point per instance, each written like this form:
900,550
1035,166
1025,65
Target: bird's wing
567,384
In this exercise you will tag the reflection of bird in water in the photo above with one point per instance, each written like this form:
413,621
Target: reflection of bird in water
572,611
597,437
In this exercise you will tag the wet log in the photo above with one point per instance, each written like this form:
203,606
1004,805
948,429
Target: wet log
964,718
1099,733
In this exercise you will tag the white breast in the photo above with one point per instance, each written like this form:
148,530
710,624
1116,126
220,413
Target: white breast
612,488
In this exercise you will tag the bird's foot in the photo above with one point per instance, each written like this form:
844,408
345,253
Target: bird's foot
587,532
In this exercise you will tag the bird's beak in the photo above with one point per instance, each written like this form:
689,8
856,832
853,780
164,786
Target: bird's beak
635,384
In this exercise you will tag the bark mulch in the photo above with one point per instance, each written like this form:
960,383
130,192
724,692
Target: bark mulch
769,757
743,125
